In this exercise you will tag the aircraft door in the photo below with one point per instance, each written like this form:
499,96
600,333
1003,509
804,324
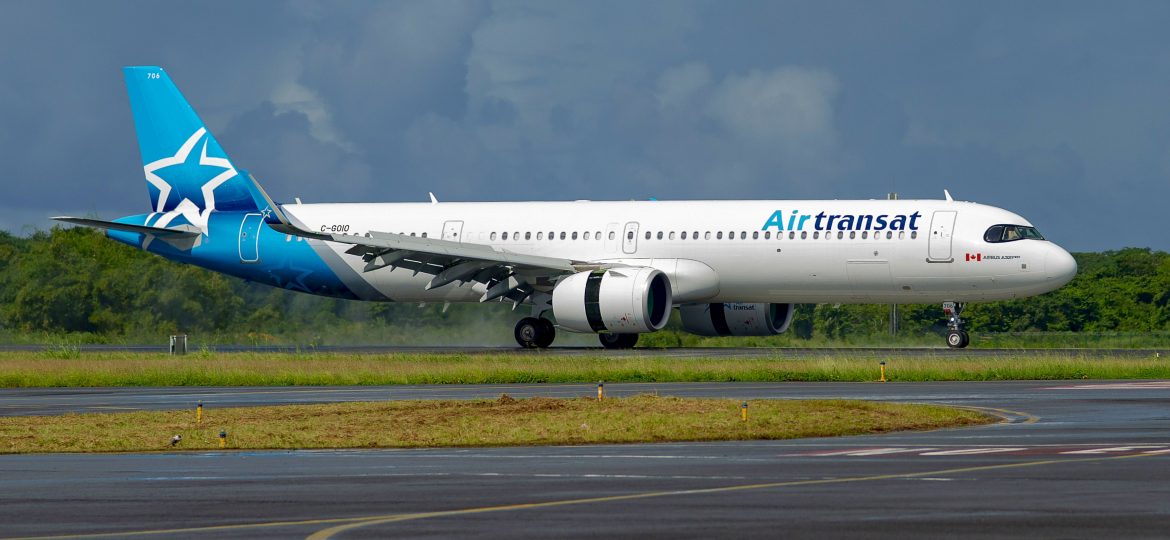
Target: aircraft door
612,231
452,230
630,238
250,238
942,226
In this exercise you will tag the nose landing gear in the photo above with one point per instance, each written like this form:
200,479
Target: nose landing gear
534,333
957,337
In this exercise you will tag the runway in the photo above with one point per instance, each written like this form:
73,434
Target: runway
1073,459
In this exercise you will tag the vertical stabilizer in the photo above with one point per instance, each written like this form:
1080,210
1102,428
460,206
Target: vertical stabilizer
184,165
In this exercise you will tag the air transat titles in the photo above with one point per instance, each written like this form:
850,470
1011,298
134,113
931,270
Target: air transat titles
796,221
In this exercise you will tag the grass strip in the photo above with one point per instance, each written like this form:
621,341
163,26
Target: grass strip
24,370
502,422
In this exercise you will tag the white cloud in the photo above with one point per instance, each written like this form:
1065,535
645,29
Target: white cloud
791,107
292,96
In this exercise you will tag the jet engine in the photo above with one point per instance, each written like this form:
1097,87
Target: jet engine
736,319
618,300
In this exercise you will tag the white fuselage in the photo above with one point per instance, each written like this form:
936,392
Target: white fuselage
870,251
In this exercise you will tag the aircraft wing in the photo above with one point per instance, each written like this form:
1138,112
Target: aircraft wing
514,276
508,275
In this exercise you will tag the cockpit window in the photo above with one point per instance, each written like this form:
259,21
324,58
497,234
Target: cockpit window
1008,233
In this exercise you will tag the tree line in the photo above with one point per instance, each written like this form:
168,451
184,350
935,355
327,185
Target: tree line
75,282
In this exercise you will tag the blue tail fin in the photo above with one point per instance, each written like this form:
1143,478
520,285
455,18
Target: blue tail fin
181,159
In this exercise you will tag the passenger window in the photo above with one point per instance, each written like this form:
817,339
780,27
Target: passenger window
516,236
840,235
672,235
630,235
743,235
731,235
913,234
864,235
586,235
424,235
803,235
493,237
540,235
695,235
707,235
719,235
755,235
791,235
889,235
852,235
817,234
647,235
552,235
767,235
528,236
611,235
660,235
574,235
562,235
597,235
684,235
901,235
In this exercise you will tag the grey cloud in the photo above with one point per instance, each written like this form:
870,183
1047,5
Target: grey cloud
1055,110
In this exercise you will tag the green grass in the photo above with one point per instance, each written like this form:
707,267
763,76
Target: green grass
308,369
501,335
502,422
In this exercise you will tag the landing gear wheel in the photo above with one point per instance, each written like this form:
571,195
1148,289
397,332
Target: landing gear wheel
528,332
957,337
546,335
618,341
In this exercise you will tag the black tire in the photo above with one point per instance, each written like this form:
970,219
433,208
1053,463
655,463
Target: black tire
527,332
547,333
955,339
618,341
966,339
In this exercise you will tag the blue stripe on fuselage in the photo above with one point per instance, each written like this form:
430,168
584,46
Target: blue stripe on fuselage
284,262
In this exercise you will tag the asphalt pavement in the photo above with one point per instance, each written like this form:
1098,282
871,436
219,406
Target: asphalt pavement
1071,459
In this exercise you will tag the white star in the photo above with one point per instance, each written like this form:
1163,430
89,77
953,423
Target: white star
186,207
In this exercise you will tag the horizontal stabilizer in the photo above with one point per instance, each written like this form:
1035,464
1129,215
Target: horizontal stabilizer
140,229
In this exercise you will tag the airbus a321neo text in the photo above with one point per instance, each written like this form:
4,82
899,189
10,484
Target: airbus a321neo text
617,269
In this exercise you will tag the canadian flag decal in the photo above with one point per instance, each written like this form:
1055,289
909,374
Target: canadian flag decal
975,257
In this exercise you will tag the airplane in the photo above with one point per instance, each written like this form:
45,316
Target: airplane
616,269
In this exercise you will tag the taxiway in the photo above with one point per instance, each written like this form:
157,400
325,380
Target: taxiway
1072,459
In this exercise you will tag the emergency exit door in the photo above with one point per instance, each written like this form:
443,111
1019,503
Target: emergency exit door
942,227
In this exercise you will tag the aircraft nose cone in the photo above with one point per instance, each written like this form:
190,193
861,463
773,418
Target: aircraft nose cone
1059,265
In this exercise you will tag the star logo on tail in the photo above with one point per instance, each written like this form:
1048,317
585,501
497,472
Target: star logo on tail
194,176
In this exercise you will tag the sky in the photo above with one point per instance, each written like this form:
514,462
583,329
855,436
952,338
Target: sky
1058,111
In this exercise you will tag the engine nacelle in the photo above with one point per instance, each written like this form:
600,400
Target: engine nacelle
619,300
736,319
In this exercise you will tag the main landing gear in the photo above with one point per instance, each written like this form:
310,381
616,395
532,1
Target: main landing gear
957,337
618,341
534,333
